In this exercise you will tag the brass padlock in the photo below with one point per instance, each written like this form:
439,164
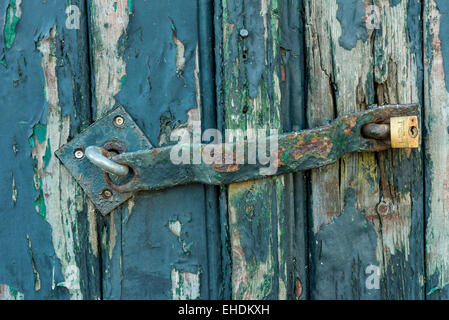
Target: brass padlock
404,132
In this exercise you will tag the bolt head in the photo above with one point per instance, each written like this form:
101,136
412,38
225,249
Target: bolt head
106,194
79,153
244,33
119,121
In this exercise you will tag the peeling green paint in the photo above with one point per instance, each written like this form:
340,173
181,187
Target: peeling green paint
185,285
39,137
122,81
15,294
129,8
433,290
40,132
9,293
47,155
13,14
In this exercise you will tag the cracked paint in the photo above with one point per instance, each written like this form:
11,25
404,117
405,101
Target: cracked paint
60,196
37,279
252,96
175,227
385,68
34,72
110,21
437,151
180,50
185,285
14,191
13,15
9,293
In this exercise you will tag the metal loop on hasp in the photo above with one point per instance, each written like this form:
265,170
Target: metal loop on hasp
98,157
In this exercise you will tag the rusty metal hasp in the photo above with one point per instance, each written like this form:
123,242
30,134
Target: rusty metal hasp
112,159
116,132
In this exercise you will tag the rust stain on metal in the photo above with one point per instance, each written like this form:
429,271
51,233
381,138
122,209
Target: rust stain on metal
280,155
226,165
351,122
320,147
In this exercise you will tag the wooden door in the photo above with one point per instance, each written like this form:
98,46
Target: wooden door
370,226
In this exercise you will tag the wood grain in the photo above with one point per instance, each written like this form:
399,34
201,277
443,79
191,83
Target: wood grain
251,80
146,57
49,252
373,198
436,122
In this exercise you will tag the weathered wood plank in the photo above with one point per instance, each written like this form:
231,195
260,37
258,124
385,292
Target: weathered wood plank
293,112
147,56
436,120
366,213
338,242
48,245
251,84
398,76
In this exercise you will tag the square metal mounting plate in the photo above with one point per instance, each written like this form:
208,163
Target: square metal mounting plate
126,137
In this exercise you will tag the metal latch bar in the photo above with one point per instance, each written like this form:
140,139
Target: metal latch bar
297,151
153,168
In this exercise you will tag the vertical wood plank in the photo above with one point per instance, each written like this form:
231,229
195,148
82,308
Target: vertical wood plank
108,22
293,118
251,84
48,245
399,218
341,242
148,56
225,242
366,209
436,121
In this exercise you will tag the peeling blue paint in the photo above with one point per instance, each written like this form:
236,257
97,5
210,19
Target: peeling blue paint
443,7
149,250
152,83
341,265
415,26
394,3
157,96
350,14
24,106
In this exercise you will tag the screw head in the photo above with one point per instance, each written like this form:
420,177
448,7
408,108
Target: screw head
106,193
79,153
383,208
119,121
244,33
